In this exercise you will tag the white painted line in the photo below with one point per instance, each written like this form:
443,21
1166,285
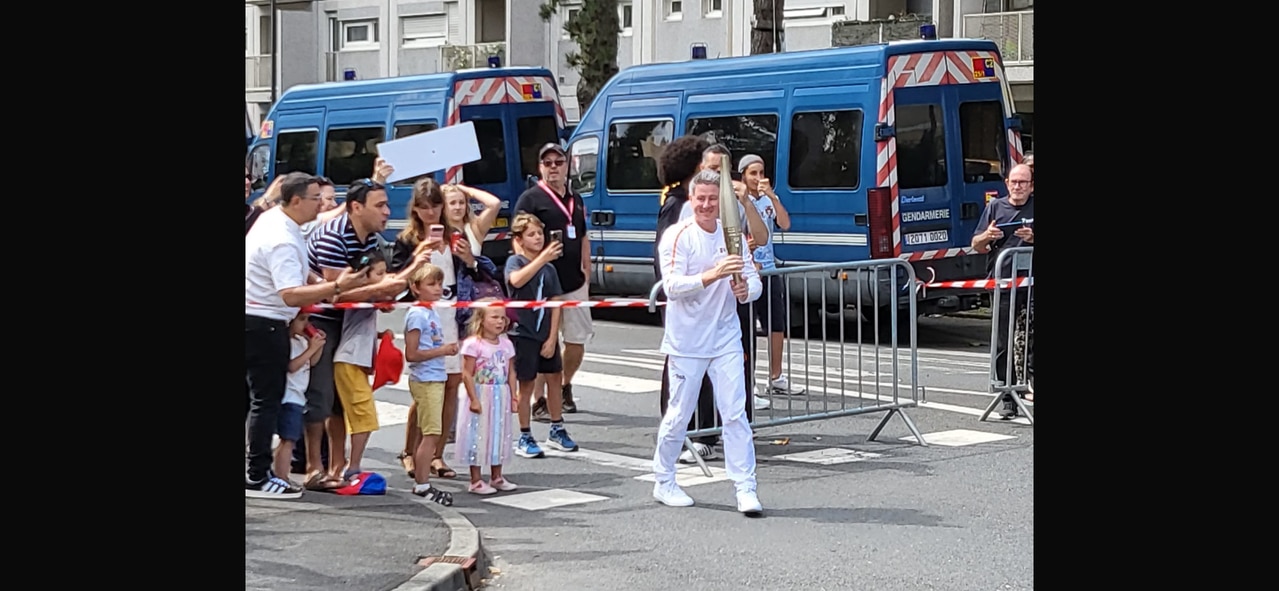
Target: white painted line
975,412
390,413
691,476
544,499
602,458
960,437
829,456
615,383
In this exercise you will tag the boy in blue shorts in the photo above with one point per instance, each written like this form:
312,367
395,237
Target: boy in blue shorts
305,352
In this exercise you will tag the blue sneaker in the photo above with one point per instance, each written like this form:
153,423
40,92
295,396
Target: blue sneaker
527,447
559,439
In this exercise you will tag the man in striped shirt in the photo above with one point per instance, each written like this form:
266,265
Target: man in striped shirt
333,247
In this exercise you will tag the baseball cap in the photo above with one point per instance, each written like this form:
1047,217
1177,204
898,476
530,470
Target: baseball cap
541,152
748,160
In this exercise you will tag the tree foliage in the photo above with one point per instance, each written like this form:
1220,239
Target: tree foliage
595,31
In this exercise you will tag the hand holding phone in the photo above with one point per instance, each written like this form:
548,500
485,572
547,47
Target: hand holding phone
557,235
436,233
310,331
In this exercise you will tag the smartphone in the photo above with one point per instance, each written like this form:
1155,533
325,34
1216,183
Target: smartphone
310,331
437,232
361,263
557,235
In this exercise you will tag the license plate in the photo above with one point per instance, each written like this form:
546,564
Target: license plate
927,237
500,223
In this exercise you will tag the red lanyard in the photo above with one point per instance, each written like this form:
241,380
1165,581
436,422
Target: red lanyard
556,198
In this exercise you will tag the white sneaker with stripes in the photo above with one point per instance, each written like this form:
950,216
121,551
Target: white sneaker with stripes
273,488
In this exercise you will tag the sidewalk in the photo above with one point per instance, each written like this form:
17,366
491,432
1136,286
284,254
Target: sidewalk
342,543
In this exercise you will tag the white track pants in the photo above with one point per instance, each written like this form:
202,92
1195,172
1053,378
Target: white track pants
685,375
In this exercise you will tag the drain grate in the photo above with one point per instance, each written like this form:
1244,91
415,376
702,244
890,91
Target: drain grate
466,562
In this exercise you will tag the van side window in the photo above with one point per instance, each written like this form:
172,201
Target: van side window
534,132
633,150
981,126
349,153
405,130
742,135
825,150
921,146
258,165
583,157
491,167
296,151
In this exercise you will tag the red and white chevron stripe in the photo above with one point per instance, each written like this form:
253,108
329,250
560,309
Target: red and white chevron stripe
495,91
981,283
932,68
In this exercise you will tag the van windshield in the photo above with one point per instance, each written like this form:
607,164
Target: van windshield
534,132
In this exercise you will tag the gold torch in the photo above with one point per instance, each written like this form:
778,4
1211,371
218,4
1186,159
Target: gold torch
729,216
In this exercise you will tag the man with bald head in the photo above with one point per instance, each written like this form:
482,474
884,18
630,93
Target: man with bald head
1019,205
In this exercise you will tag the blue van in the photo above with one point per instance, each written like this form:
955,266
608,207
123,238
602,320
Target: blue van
515,111
884,150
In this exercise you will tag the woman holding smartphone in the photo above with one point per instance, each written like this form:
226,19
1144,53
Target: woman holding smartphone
428,229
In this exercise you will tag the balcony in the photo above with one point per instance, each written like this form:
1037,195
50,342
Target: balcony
257,72
1014,32
462,57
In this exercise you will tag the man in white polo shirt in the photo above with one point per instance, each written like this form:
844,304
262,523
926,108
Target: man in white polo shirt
276,286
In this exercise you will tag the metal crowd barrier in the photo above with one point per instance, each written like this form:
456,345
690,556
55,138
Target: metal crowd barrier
1012,324
839,378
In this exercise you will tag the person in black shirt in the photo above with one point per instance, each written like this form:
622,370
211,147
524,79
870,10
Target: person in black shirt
563,214
989,239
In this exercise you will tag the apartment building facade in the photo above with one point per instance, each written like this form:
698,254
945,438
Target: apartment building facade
331,40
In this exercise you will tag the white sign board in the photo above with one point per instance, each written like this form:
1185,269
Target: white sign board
428,152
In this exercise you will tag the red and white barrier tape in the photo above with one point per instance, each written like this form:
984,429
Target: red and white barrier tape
619,303
980,283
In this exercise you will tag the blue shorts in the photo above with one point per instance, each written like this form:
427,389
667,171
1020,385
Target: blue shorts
289,424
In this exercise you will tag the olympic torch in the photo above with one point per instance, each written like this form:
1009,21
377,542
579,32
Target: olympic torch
729,216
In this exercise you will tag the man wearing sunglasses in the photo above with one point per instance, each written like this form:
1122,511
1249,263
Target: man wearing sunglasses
563,214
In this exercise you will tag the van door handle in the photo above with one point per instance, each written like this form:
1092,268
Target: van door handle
603,218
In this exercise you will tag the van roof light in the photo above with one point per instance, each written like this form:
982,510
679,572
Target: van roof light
928,31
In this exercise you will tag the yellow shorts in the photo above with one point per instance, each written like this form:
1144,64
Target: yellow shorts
429,397
356,393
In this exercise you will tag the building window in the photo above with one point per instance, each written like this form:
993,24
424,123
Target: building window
403,130
633,150
742,135
921,146
359,35
674,9
712,7
984,142
349,153
625,16
424,31
825,150
490,169
295,151
570,14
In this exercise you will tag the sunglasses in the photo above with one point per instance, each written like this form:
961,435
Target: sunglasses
554,163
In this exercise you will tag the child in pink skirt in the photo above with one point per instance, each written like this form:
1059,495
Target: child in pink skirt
484,427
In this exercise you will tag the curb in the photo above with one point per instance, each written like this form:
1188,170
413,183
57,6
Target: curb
463,563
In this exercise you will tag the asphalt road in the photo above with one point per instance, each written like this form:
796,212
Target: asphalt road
840,512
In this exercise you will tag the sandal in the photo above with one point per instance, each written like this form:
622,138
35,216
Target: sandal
406,460
320,482
436,495
442,470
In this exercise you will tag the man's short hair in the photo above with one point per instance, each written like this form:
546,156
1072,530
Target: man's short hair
523,221
359,191
293,185
706,177
718,149
324,181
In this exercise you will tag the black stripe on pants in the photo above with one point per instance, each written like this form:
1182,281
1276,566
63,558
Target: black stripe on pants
266,367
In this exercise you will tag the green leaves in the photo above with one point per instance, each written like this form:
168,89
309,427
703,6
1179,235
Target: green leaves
594,29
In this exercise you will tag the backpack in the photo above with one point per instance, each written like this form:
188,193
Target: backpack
476,285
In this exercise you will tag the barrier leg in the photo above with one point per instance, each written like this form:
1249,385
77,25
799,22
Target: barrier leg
905,418
688,444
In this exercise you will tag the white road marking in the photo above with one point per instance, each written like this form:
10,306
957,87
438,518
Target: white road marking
829,456
959,437
390,413
543,499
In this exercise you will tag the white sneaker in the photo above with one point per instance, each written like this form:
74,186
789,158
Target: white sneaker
671,495
762,403
707,452
748,503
